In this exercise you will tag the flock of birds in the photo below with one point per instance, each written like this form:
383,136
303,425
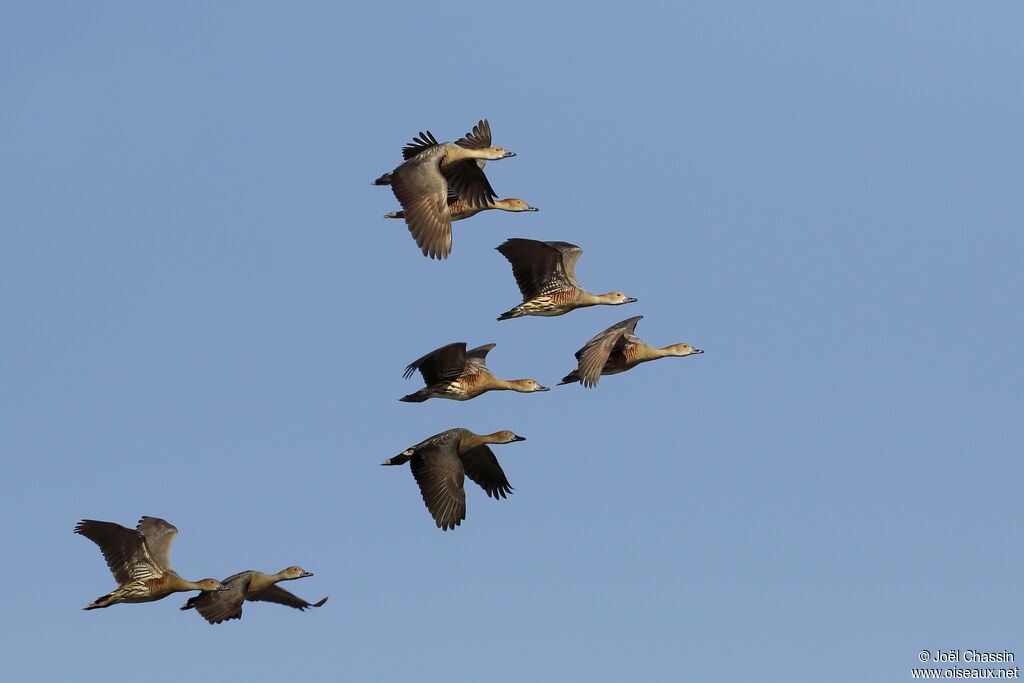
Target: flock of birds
437,183
140,561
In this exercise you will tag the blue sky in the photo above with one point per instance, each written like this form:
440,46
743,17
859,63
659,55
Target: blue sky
206,319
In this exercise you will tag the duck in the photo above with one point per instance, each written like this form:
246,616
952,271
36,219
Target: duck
223,605
459,209
616,350
546,275
139,560
431,171
455,373
441,463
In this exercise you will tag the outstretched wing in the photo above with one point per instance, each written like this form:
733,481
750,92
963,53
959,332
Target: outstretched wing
539,267
222,605
570,255
482,467
282,597
422,191
419,144
159,535
466,177
445,363
124,550
438,472
476,358
595,352
478,138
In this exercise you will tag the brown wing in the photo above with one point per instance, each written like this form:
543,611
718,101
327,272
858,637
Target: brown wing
476,359
159,535
438,471
445,363
570,255
283,597
482,467
423,193
466,177
595,352
538,267
419,144
222,605
124,549
479,138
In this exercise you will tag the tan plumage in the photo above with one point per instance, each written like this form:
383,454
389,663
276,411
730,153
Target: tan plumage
431,173
616,350
452,372
139,560
441,463
249,585
546,275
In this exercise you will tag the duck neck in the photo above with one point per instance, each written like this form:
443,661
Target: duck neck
471,440
498,384
588,299
503,204
176,583
455,153
461,209
258,580
652,353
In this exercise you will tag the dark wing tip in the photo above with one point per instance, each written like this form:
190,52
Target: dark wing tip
500,491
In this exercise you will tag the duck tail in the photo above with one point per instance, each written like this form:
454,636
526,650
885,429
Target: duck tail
573,376
418,397
508,315
102,601
402,458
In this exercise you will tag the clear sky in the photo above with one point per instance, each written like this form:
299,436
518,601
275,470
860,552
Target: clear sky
206,319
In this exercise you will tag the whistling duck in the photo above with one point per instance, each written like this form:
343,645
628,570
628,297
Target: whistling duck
616,350
546,275
249,585
139,560
452,372
441,463
431,172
